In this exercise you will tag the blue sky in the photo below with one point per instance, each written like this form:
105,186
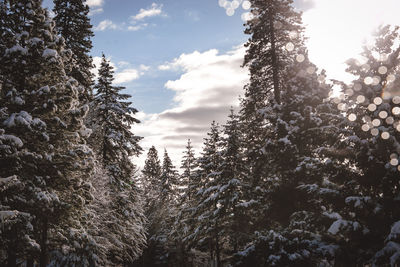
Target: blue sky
180,59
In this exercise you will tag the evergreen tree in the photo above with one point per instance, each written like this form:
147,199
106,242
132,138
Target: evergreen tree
115,140
231,202
367,229
116,144
157,211
275,41
42,112
189,187
152,172
188,177
205,232
73,24
169,179
297,124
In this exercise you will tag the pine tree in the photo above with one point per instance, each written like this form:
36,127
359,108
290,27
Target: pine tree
205,232
152,172
188,177
116,144
273,45
157,211
297,124
112,126
169,179
188,188
73,24
43,111
367,227
231,202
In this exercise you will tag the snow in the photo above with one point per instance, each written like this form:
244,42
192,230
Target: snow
12,139
342,224
285,140
358,201
17,48
45,89
247,203
394,232
7,214
336,226
49,53
35,40
4,181
22,118
332,215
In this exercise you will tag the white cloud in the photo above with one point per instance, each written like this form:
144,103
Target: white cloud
96,11
164,67
105,25
123,63
209,86
152,11
137,27
94,3
144,67
126,75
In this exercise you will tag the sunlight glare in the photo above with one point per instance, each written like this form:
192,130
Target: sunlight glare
246,5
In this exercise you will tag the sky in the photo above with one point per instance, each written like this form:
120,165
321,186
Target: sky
181,59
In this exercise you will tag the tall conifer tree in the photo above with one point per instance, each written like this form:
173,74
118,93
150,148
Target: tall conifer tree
44,113
73,24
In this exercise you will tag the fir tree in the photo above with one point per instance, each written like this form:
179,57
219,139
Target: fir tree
152,171
43,111
73,24
188,177
367,227
232,185
205,233
116,145
112,127
169,179
273,45
157,211
296,125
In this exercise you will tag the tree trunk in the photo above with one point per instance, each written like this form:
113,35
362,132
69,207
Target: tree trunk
43,244
274,61
12,258
217,249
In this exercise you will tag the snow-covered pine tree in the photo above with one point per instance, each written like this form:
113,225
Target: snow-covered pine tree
73,24
16,229
367,229
188,188
116,144
272,45
151,172
112,128
156,210
169,180
44,113
188,177
298,124
233,185
205,231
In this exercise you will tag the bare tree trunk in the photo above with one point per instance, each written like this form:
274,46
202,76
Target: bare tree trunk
12,258
29,263
43,244
275,68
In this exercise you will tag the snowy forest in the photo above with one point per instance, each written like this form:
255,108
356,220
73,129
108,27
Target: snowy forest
305,173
